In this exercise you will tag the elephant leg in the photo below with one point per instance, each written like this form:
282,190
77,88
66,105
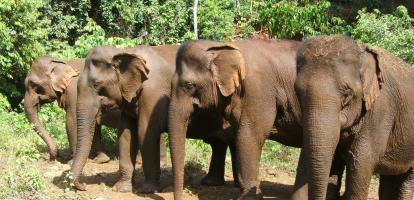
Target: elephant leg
71,128
359,168
249,143
163,154
387,189
98,147
215,175
249,149
127,156
335,177
152,122
406,185
397,187
234,166
300,191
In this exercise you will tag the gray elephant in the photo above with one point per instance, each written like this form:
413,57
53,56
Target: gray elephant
244,93
52,79
357,99
138,82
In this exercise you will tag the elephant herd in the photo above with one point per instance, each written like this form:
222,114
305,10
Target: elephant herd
347,105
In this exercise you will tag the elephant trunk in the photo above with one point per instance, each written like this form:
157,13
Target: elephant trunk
86,113
31,107
179,113
321,136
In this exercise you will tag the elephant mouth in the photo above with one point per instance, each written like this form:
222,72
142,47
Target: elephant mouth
45,100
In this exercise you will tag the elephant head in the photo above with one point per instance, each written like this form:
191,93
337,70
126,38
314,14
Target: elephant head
338,81
112,79
46,82
206,73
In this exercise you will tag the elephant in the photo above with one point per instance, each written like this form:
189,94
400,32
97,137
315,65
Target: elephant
244,92
138,82
53,79
356,98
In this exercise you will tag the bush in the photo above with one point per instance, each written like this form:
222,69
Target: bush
20,178
216,19
394,32
297,19
93,36
22,36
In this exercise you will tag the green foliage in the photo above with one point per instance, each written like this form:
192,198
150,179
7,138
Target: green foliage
297,19
19,177
282,157
394,32
168,22
4,104
93,36
216,19
53,118
22,36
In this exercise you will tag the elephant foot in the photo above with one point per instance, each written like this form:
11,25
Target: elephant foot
123,186
53,154
210,180
251,194
148,188
79,186
101,158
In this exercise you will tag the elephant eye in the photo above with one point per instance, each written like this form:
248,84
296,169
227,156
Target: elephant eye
348,95
188,86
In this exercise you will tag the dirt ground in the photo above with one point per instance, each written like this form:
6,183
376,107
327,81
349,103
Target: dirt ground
100,178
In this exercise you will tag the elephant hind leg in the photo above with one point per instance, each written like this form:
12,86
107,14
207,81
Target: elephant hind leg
397,187
215,175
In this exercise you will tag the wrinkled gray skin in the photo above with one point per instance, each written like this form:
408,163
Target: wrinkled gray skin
359,100
246,84
138,82
51,79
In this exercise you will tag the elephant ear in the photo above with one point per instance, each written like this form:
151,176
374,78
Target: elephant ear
132,71
371,75
228,67
61,75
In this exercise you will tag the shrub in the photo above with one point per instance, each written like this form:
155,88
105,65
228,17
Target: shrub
297,19
394,32
20,178
215,19
21,40
93,36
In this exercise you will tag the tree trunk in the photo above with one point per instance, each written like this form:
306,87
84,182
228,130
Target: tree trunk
195,19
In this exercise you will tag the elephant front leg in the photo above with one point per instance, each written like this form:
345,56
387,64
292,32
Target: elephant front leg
127,156
215,175
149,145
360,167
248,157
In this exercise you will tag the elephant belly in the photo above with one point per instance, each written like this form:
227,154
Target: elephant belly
290,136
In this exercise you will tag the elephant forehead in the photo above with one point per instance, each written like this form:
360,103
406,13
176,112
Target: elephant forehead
102,53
